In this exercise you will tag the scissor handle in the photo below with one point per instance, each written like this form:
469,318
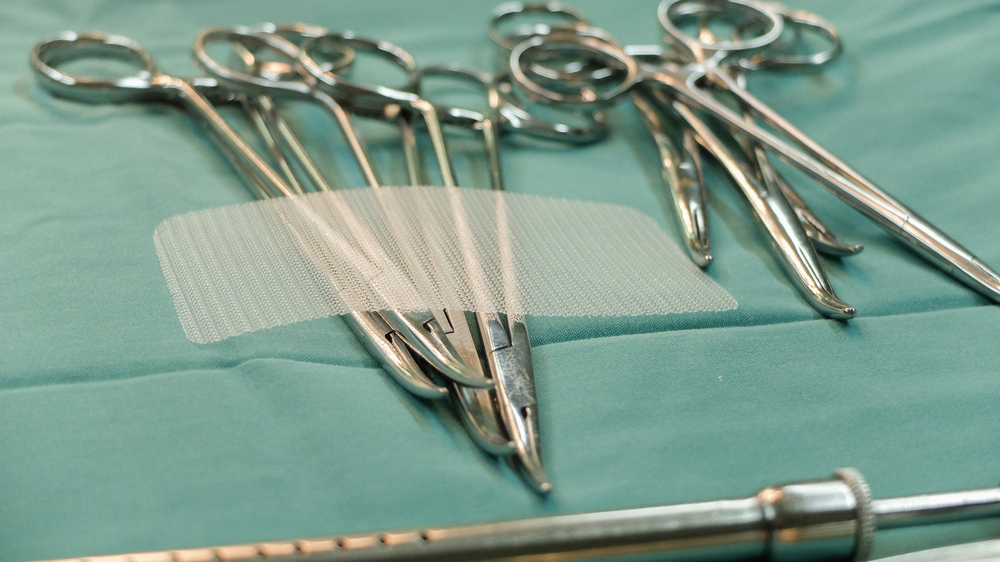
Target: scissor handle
297,33
265,77
70,46
252,40
510,10
460,116
364,96
510,108
570,71
569,42
516,116
798,20
669,11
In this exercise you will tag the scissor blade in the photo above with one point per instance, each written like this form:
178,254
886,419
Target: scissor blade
478,408
509,354
387,347
423,332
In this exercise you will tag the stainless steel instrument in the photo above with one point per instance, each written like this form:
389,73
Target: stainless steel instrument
828,519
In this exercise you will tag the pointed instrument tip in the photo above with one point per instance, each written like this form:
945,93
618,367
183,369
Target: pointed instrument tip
842,312
536,477
827,304
532,469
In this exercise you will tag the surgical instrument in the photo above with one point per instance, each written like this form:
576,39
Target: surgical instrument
151,84
506,339
982,551
383,342
863,195
783,56
476,407
770,208
388,101
828,519
681,169
148,84
685,81
421,329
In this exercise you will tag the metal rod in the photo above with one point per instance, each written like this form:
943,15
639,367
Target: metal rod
828,519
945,507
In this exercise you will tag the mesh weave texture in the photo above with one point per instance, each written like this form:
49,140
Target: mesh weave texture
242,268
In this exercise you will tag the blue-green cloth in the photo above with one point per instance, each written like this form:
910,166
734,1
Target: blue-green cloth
117,434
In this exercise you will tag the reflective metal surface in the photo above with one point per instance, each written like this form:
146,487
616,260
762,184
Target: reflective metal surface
696,82
822,520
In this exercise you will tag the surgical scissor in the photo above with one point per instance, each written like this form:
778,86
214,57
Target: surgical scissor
784,56
687,81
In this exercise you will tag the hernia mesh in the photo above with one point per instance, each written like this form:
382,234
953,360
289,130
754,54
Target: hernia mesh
263,264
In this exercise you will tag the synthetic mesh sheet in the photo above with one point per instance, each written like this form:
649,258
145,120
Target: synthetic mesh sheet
257,265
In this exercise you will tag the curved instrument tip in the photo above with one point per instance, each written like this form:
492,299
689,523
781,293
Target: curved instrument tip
832,247
534,473
428,339
408,374
481,420
390,350
457,370
701,259
830,306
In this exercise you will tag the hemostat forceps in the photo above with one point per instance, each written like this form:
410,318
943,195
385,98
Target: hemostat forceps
686,81
400,104
507,349
505,337
150,84
781,55
273,129
384,343
770,208
477,407
421,330
777,55
682,173
681,169
770,200
506,344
